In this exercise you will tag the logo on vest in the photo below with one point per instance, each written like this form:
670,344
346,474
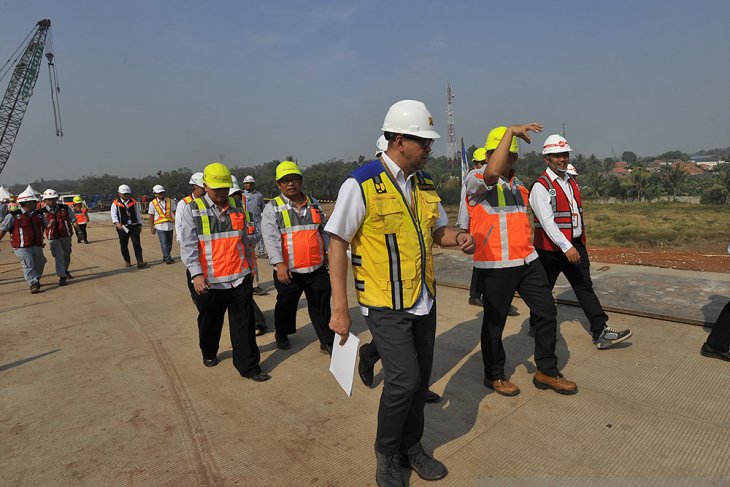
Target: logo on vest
380,188
552,192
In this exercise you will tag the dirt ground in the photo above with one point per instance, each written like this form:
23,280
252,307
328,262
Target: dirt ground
671,259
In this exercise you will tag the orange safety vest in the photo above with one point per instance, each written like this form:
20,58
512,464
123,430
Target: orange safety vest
221,250
82,218
501,227
163,216
301,236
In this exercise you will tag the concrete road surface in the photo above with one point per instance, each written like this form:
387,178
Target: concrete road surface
102,384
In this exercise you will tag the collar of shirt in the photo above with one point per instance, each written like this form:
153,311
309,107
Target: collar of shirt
553,175
218,209
300,209
397,172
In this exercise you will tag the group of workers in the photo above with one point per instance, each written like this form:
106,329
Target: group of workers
386,219
31,220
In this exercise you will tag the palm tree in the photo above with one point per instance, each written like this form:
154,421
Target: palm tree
675,177
640,179
594,180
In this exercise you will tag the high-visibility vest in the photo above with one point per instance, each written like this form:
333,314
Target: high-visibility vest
27,230
163,216
501,227
82,217
62,223
221,251
562,213
126,211
302,244
188,199
391,252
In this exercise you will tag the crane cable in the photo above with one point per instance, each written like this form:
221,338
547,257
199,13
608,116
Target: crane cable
10,63
55,88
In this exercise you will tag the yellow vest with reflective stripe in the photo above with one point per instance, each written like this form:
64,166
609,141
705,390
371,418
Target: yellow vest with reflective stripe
391,252
163,216
222,254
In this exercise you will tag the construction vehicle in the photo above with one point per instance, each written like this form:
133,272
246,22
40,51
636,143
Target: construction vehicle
20,89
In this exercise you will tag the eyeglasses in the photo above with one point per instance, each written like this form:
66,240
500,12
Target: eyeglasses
559,155
286,182
424,143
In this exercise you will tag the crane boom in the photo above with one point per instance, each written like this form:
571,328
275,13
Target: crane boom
20,89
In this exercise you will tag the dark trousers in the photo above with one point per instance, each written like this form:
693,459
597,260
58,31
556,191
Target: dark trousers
165,243
719,338
369,354
212,307
498,287
579,277
405,343
474,292
81,233
134,231
316,288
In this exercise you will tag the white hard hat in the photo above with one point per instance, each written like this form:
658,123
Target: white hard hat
555,144
27,195
410,117
234,180
124,189
234,189
197,179
249,179
50,194
571,170
382,145
158,188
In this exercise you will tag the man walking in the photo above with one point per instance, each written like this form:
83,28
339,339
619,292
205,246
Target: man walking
25,226
128,221
58,222
507,262
389,213
216,252
255,204
292,226
560,238
162,220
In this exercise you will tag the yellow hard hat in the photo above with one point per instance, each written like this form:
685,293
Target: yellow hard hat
495,136
78,199
285,168
480,155
216,176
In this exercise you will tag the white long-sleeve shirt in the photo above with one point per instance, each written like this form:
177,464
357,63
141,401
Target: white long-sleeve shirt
540,204
115,215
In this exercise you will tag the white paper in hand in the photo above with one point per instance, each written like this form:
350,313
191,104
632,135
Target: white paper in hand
343,360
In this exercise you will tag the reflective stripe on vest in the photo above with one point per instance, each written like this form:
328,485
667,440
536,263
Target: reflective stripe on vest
391,252
27,230
62,225
501,227
82,217
302,244
163,216
221,250
562,213
188,199
126,211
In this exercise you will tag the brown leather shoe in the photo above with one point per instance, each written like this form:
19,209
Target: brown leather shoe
559,384
502,386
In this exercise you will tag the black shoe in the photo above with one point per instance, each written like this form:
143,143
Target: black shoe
35,288
364,369
261,330
513,311
388,473
68,275
210,362
258,377
325,348
708,351
62,281
169,261
476,302
282,342
432,397
127,263
141,265
427,467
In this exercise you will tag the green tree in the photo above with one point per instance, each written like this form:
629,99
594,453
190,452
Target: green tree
594,179
640,180
629,156
673,177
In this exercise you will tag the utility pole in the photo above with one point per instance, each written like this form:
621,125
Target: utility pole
451,141
563,129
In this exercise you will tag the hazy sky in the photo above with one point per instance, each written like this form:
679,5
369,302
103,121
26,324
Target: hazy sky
150,85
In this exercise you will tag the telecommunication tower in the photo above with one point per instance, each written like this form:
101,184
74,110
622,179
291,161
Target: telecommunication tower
451,159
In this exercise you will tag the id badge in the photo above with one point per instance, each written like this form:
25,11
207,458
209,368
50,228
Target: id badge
575,220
